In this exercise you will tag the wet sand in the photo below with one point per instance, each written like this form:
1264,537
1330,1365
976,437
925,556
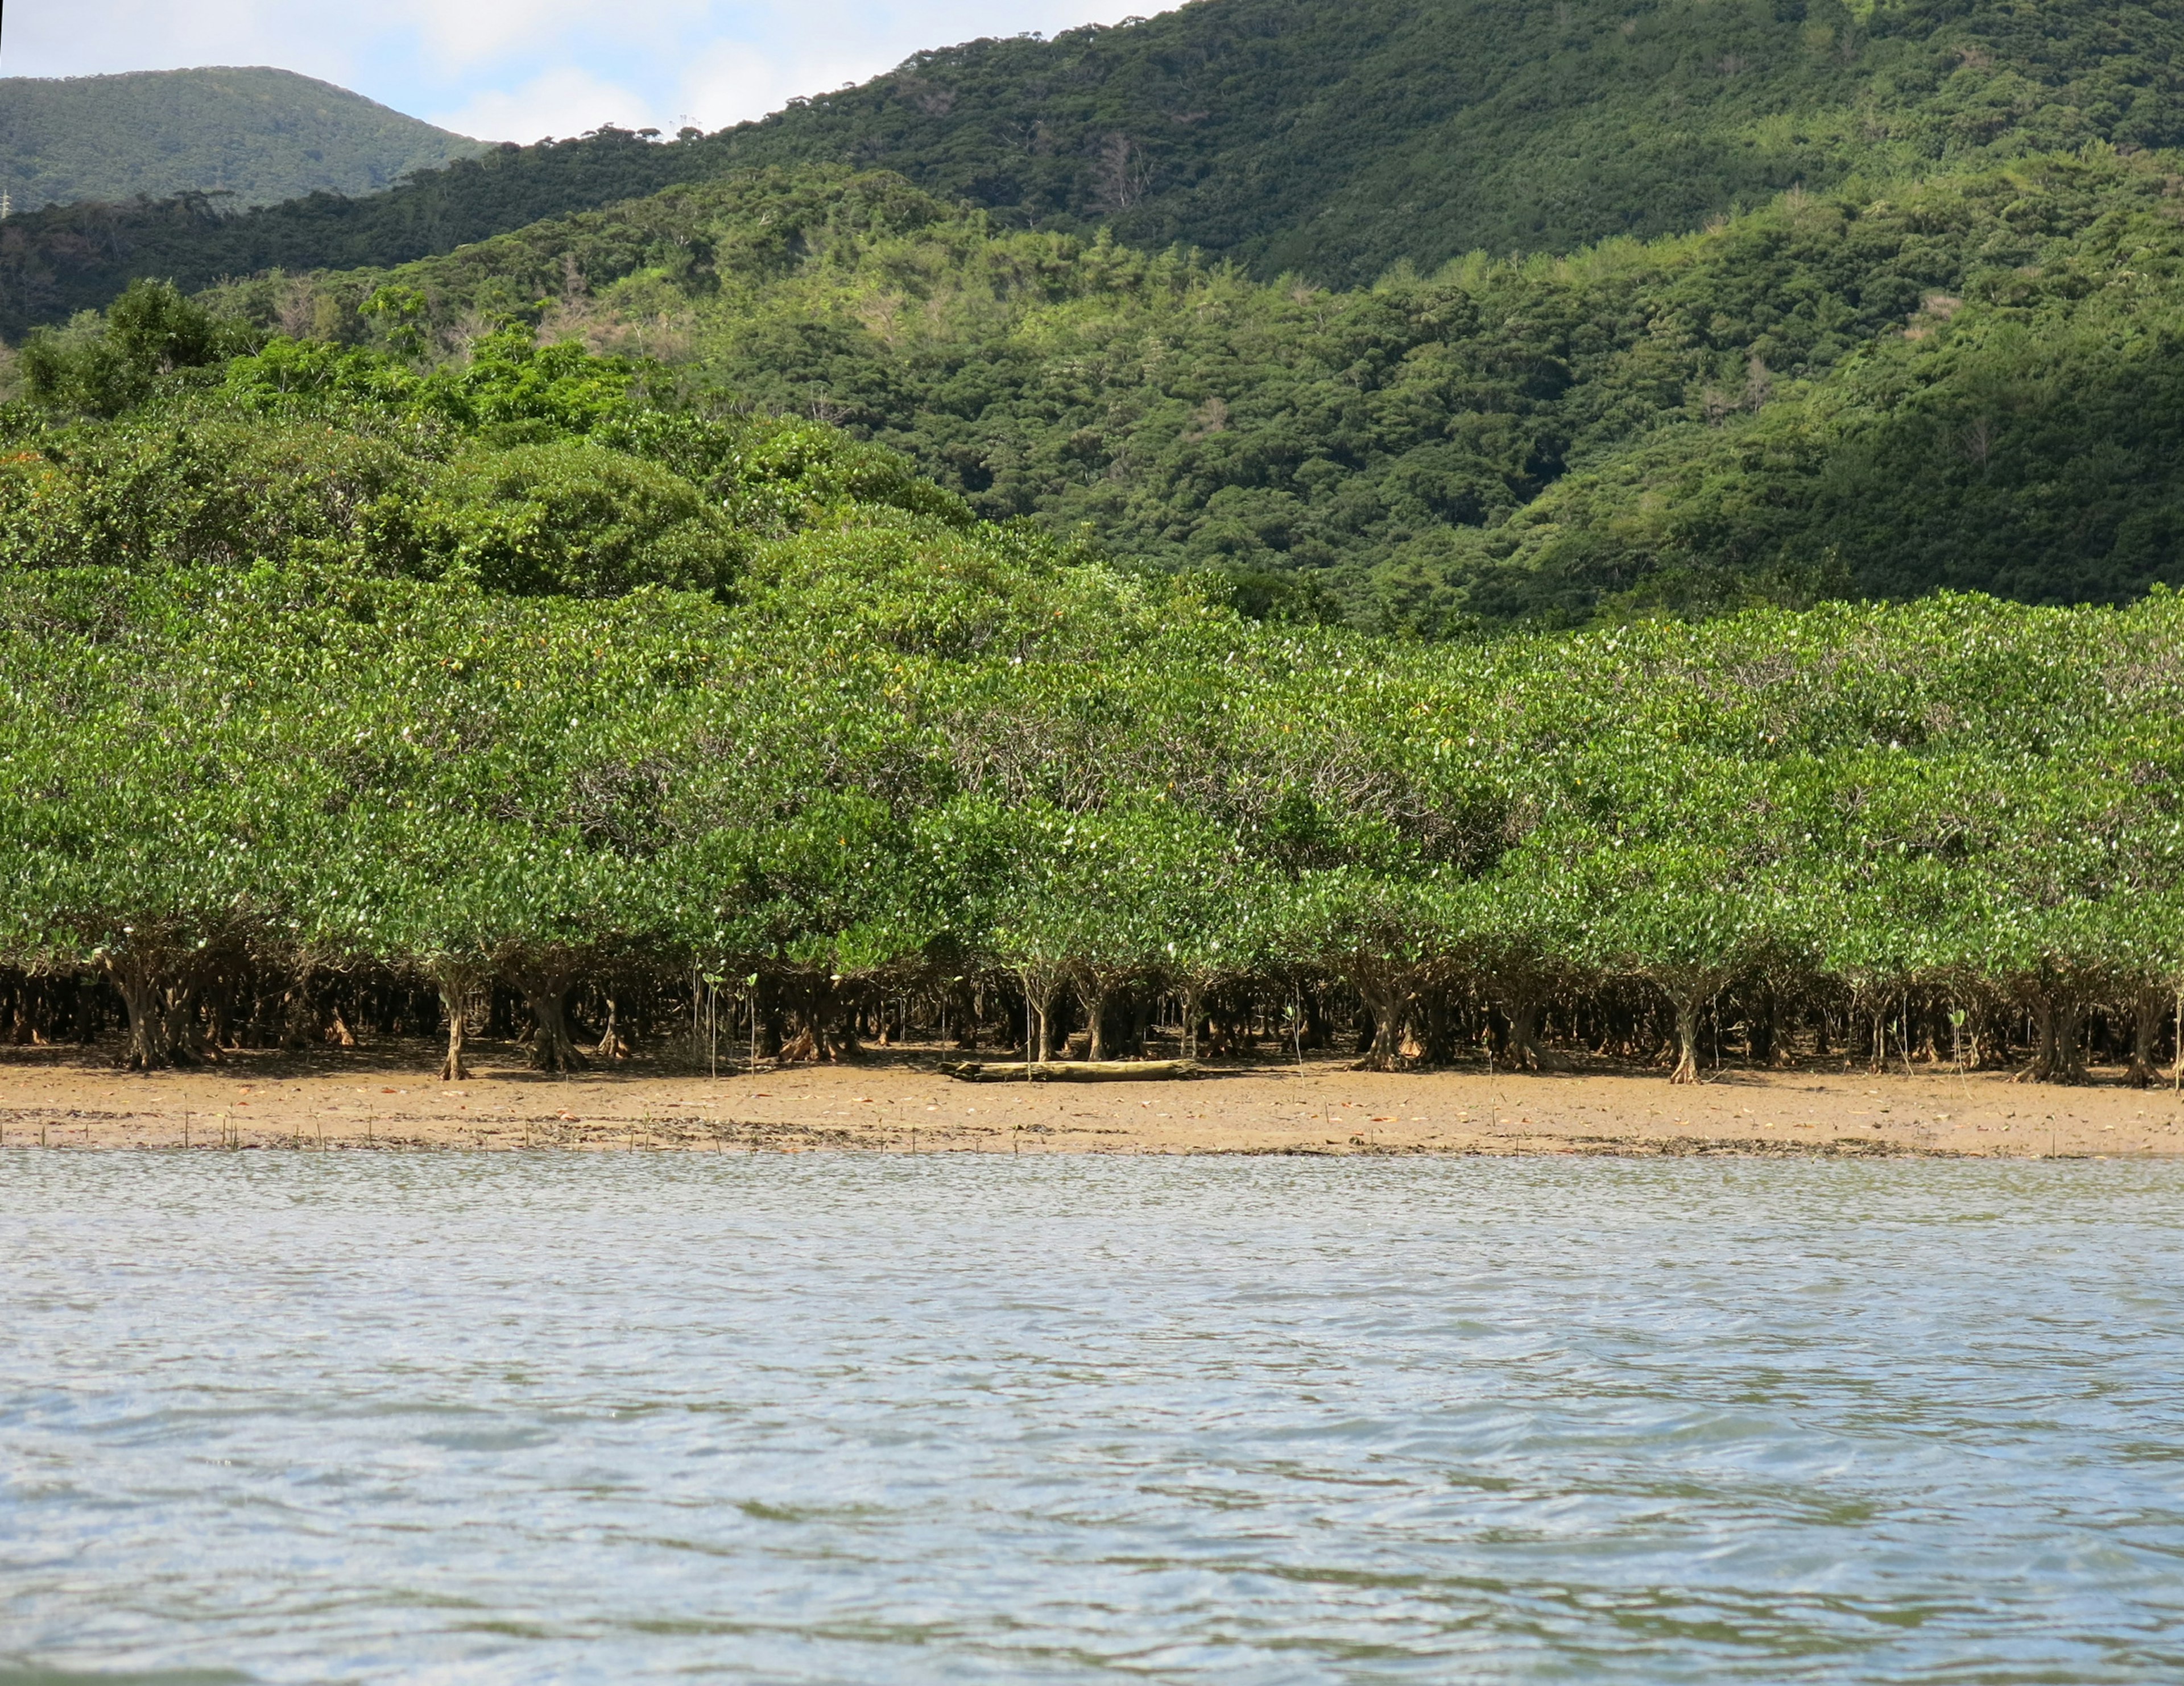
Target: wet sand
384,1097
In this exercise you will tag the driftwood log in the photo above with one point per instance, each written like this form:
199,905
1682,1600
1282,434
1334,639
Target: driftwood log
1075,1071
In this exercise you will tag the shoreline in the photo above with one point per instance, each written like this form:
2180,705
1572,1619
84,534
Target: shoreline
383,1098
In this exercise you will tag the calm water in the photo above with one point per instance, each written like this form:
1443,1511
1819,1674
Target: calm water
445,1418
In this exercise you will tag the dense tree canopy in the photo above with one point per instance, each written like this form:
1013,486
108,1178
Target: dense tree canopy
1965,383
257,736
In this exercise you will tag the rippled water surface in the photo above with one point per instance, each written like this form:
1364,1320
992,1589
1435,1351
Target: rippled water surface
451,1418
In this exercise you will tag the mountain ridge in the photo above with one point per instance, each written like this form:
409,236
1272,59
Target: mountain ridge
1288,137
253,132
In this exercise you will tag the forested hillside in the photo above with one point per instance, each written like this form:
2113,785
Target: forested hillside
1970,382
1294,135
250,137
1338,141
336,677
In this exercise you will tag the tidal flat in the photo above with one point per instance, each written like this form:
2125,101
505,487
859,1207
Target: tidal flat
383,1096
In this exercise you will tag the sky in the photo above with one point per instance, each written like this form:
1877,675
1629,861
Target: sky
523,70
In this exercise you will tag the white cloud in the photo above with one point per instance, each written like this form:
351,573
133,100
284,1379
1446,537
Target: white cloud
731,80
560,103
95,37
477,32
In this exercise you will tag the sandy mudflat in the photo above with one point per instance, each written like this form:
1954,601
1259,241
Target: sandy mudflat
384,1097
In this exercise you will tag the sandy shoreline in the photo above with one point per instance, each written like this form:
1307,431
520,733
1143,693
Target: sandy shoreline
383,1097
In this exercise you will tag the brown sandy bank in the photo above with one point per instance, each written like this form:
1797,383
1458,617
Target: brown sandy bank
383,1097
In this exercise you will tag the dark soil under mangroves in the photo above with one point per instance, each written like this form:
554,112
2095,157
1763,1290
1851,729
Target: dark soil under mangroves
898,1100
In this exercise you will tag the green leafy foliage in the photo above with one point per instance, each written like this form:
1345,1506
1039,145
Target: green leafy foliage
1923,339
1963,384
73,257
577,519
1292,137
526,470
208,767
525,666
103,367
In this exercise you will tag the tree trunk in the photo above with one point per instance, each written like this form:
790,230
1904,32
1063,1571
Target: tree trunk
220,1014
185,1045
1095,1012
811,1043
1688,1010
1039,993
452,1069
555,1049
546,994
612,1043
1930,1020
2060,1057
827,1025
1759,1030
161,1012
2149,1008
1386,1002
148,1048
838,1026
85,1030
456,984
299,1020
1439,1041
1524,1054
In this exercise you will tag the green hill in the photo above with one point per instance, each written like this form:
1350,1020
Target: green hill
1290,135
1971,382
253,137
1940,357
1338,141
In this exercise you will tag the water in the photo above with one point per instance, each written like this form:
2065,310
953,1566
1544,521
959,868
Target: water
454,1418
